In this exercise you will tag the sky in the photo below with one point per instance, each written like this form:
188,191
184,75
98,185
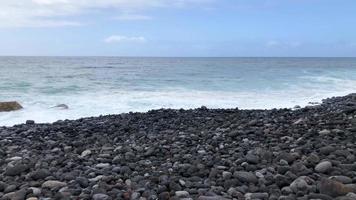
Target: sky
219,28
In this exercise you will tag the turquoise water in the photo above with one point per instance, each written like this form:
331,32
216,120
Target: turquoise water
92,86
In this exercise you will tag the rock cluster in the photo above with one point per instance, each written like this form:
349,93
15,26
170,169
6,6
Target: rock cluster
205,154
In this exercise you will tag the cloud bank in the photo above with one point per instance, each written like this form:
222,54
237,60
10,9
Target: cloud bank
44,13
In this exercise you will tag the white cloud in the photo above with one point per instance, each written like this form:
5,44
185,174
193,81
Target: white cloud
34,13
132,17
121,38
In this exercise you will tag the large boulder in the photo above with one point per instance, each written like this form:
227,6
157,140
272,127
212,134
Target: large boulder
9,106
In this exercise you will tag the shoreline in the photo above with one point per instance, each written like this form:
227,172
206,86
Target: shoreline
206,154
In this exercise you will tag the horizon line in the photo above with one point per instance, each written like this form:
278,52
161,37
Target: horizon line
118,56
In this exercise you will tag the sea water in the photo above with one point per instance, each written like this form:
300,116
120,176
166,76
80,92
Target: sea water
93,86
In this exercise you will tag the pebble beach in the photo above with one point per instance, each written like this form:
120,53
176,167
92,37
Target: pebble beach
205,154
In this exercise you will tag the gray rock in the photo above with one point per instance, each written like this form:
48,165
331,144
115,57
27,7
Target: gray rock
53,184
10,188
341,179
250,196
226,175
247,177
102,165
302,183
324,132
327,150
211,198
323,167
2,186
18,195
40,174
16,169
251,158
182,194
100,196
82,181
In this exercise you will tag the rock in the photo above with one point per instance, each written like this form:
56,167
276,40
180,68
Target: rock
82,181
40,174
100,197
250,196
85,153
2,186
319,196
182,194
252,159
226,175
102,165
302,183
61,106
211,198
10,188
19,195
324,132
9,106
323,167
327,150
351,195
164,196
290,158
15,170
35,191
30,122
247,177
32,198
341,179
334,188
53,184
15,158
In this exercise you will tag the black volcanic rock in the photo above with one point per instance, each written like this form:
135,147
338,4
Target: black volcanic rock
305,153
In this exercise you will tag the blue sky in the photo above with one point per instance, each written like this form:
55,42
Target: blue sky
178,27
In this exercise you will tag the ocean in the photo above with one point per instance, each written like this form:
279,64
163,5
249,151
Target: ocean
93,86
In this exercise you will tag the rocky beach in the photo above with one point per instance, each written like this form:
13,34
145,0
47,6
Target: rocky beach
205,154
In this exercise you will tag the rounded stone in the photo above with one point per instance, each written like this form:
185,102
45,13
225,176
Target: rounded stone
323,166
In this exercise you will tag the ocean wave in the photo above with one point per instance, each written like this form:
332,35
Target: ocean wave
38,107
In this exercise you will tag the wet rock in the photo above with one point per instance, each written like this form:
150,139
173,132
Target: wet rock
9,106
61,106
30,122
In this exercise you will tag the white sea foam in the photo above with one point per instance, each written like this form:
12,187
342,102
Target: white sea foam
38,108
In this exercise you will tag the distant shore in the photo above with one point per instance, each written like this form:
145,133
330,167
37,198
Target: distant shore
206,154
